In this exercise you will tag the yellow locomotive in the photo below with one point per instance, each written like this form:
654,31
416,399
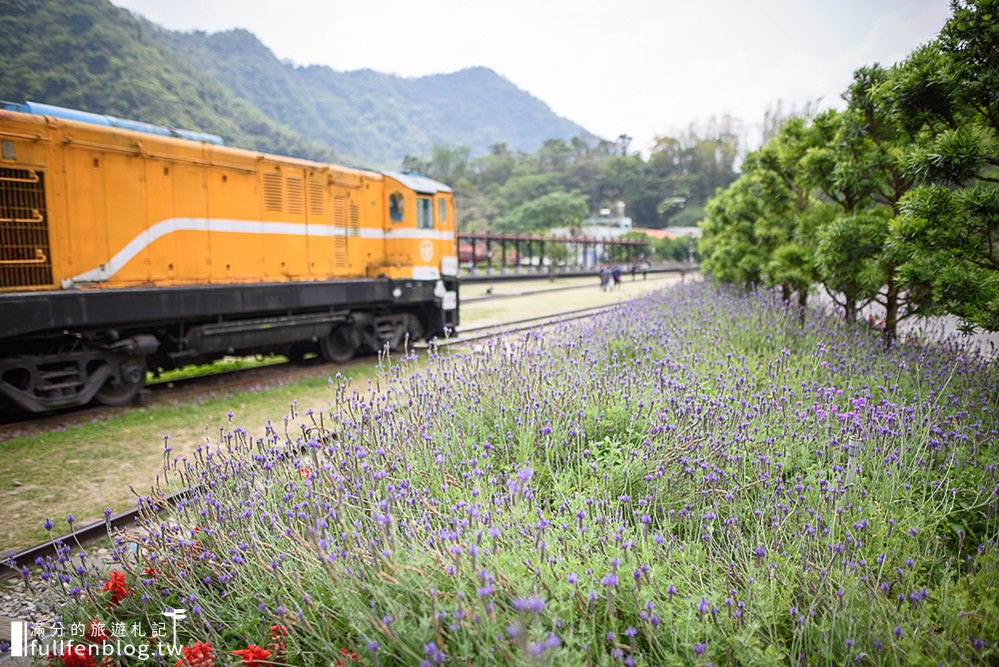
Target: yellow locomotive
126,246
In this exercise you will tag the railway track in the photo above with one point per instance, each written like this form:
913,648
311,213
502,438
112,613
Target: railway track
588,285
516,326
271,374
16,425
98,531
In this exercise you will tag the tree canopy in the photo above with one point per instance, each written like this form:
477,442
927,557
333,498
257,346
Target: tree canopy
506,189
892,200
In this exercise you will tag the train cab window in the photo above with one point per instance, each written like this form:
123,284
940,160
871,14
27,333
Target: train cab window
424,213
442,212
397,207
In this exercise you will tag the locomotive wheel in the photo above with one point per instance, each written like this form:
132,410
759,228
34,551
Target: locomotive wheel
122,387
341,345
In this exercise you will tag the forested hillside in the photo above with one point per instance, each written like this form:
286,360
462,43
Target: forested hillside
372,116
91,55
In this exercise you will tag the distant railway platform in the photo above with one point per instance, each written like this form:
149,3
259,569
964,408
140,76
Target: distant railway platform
492,274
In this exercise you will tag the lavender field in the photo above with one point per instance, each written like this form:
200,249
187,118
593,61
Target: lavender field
697,478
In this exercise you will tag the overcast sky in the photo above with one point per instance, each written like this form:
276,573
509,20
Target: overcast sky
636,67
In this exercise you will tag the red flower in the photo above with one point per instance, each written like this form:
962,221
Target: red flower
306,472
277,644
74,656
253,655
198,654
350,655
116,584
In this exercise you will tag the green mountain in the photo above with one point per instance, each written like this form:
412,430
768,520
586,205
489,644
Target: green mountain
375,116
91,55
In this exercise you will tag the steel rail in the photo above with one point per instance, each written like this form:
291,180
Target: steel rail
179,388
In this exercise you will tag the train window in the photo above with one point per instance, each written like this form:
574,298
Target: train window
396,206
442,212
424,213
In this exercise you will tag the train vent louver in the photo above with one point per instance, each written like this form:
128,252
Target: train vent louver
339,219
25,258
317,200
273,194
295,195
354,224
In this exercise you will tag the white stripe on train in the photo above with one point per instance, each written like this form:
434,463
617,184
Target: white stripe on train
215,225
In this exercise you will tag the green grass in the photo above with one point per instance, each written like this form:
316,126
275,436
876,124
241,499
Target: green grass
86,467
218,366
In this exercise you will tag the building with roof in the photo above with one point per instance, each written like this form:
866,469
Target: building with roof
669,232
606,224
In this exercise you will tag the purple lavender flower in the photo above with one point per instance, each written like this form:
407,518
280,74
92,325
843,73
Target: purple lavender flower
531,604
434,654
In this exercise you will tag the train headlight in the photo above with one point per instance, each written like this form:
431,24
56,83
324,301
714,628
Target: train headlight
449,265
396,293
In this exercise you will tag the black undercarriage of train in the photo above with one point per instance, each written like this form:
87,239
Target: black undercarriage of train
63,349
